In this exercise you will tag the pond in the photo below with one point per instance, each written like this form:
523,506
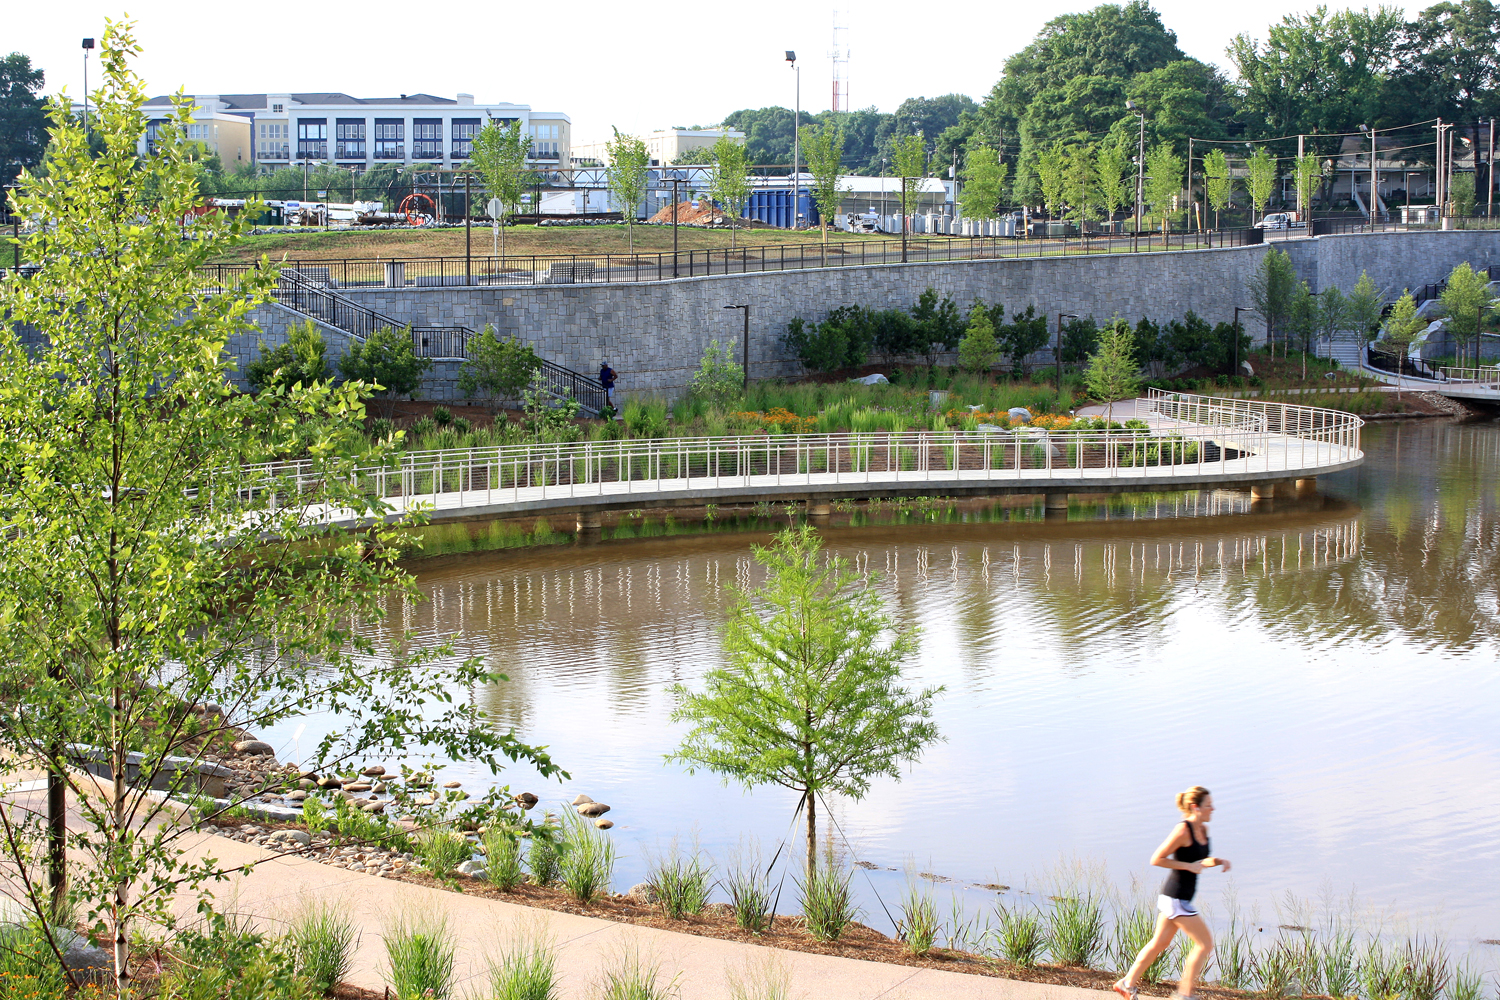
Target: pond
1326,666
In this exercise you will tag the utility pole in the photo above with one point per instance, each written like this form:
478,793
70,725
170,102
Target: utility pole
1192,198
1140,165
675,181
1374,182
1437,178
468,238
1490,174
1301,208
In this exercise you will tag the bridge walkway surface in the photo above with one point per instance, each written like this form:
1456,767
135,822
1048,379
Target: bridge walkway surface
1188,442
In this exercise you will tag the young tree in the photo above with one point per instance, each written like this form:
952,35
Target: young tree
1461,193
909,161
1465,300
1051,165
1364,309
387,365
984,182
719,377
730,186
1111,163
1262,167
1272,286
628,160
1163,180
1401,328
1080,182
823,150
811,697
979,350
499,154
1022,336
1333,315
1303,320
1309,175
496,369
1113,372
1217,183
300,360
145,573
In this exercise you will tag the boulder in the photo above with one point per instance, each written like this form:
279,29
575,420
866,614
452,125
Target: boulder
289,839
374,771
359,786
473,868
604,824
253,746
579,800
380,788
643,892
453,784
526,800
592,809
1020,413
306,783
298,796
330,782
373,807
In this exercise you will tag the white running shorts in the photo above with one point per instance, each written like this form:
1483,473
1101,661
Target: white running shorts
1174,908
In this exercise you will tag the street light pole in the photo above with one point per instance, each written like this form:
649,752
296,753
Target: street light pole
1140,165
1057,351
746,354
675,181
88,44
791,57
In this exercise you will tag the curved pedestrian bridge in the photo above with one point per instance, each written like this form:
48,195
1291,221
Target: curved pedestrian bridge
1190,442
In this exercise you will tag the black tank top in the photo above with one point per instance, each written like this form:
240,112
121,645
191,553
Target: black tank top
1181,884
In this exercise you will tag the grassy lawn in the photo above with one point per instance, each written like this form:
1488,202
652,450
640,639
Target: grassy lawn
353,244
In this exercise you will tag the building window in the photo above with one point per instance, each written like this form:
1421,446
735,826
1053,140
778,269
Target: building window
312,138
350,136
278,109
275,150
426,138
464,131
389,133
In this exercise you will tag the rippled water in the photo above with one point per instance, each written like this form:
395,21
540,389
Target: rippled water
1326,666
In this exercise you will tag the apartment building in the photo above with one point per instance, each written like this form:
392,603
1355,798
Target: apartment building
664,146
357,133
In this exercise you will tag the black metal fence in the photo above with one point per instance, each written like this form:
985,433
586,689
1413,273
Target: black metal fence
568,269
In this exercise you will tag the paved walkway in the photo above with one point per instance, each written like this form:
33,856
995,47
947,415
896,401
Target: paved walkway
585,944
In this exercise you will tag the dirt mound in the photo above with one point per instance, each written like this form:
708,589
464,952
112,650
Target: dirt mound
702,213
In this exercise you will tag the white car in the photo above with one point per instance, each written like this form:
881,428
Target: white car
1281,220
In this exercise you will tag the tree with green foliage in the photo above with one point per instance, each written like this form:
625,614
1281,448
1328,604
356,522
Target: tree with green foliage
1080,338
1401,328
1466,299
937,324
1024,335
730,186
823,152
144,575
1461,194
23,117
1308,178
1051,168
979,350
984,182
909,162
499,154
1262,170
1217,182
628,162
1272,286
496,368
1112,166
1302,321
811,697
1163,181
719,377
1080,182
1333,317
301,359
1364,307
387,364
1113,371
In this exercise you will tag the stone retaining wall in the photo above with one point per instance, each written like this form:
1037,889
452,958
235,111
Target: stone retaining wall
654,333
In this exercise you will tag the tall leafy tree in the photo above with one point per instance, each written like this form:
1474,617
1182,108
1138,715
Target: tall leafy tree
628,160
984,182
499,154
23,117
730,186
1262,182
909,162
1080,182
144,573
1112,165
823,152
1051,167
1218,184
811,696
1272,287
1466,299
1309,177
1163,180
1364,308
1450,64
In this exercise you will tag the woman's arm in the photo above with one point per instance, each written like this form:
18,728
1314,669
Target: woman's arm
1177,838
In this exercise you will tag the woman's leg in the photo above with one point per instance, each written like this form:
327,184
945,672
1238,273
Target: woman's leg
1203,946
1166,929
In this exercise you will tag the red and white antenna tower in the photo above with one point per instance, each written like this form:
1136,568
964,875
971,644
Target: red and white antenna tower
840,58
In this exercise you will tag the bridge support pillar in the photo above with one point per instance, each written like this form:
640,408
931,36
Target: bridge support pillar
588,522
1054,501
1307,486
1286,489
818,508
1263,491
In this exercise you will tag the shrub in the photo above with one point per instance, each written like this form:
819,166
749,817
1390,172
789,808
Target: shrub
542,858
827,900
646,418
322,940
442,851
1019,939
302,359
979,350
386,359
719,377
442,416
588,859
420,952
496,369
502,854
680,885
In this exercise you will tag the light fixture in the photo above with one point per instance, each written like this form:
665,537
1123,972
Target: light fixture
791,56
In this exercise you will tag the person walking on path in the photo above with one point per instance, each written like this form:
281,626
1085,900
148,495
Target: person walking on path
1186,853
607,379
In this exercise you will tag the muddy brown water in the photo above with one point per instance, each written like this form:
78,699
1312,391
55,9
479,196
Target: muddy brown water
1328,667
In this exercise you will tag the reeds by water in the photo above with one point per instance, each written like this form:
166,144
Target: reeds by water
680,885
420,950
588,859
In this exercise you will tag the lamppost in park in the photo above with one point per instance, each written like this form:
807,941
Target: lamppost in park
1057,350
791,57
88,45
746,350
1140,164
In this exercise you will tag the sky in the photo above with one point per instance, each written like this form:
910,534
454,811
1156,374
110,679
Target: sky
635,67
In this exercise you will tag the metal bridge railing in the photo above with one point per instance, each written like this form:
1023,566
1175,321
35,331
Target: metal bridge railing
1244,437
1483,377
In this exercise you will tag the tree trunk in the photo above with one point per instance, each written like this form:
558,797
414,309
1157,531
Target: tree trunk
812,832
119,910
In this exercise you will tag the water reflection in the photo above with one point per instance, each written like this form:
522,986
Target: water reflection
1327,666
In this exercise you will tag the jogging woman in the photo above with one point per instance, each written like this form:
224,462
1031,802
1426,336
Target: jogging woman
1185,852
